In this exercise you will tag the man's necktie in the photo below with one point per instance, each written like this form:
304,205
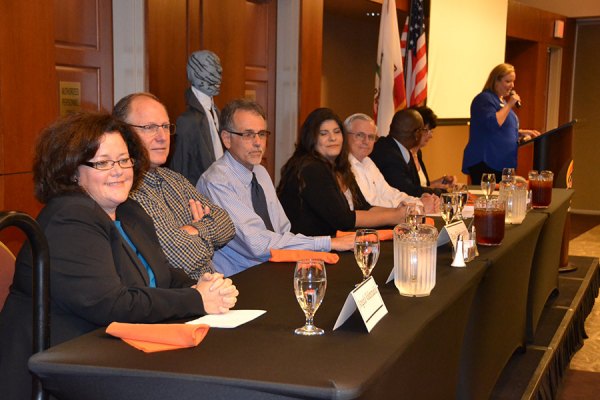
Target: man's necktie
259,202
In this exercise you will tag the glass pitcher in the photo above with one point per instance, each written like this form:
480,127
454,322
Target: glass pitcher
514,195
415,253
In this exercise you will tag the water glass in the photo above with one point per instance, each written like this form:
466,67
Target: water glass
488,184
448,206
415,214
366,250
310,283
508,174
462,196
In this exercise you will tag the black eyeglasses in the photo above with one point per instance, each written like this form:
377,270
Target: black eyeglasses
250,135
152,129
106,165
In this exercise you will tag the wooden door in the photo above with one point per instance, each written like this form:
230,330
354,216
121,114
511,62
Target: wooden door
84,60
241,32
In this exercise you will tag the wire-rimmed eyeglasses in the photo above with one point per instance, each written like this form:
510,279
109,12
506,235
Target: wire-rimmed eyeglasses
152,129
363,136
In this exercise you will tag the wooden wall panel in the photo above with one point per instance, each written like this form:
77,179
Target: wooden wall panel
529,35
259,49
311,56
28,100
224,31
84,49
76,23
166,41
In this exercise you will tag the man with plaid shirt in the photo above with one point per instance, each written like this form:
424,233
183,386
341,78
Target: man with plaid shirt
190,228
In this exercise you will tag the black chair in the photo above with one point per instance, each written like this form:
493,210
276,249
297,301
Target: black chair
41,285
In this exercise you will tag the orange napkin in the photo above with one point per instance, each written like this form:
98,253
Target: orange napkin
280,255
384,234
471,199
158,337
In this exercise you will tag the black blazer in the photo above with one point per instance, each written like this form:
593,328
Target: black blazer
193,152
397,172
95,278
319,208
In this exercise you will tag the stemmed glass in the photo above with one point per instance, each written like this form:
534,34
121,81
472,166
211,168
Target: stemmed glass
488,184
462,195
448,207
508,174
366,250
415,214
310,283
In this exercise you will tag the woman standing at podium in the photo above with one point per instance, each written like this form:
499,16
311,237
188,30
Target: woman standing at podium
494,132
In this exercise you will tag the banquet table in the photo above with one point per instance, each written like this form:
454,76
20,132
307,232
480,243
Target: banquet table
427,347
546,261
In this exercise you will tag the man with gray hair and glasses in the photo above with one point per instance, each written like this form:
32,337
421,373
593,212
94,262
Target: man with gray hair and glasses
361,134
190,228
243,187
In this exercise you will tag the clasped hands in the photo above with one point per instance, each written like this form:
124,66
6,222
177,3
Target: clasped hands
219,294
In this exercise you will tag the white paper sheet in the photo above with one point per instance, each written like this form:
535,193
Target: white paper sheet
231,319
479,192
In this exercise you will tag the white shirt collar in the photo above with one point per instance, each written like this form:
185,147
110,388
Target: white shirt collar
204,99
404,150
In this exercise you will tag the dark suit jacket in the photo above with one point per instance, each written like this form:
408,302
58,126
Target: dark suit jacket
193,152
96,278
397,172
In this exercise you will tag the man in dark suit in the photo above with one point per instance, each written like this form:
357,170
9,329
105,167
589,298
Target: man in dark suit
392,153
197,144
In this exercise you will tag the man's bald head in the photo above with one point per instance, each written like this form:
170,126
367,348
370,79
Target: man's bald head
406,127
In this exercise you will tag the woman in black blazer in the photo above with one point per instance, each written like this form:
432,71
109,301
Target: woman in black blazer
317,184
430,121
106,263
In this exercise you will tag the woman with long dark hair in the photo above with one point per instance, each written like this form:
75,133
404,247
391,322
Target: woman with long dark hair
317,189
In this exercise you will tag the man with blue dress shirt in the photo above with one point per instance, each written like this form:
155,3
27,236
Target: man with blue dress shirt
240,185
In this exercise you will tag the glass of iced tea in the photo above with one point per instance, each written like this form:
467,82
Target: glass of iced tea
541,188
489,221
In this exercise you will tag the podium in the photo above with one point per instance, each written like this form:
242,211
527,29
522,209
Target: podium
553,151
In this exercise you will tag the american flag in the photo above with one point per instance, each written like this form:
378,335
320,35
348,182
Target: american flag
416,59
390,95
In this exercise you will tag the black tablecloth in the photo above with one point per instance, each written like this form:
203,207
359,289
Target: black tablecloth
420,337
497,325
423,348
546,261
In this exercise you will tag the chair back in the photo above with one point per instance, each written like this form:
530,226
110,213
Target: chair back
7,271
40,285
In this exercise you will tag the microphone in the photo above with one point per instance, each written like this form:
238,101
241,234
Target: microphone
518,103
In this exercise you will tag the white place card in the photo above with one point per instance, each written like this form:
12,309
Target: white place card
451,231
367,299
230,319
